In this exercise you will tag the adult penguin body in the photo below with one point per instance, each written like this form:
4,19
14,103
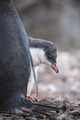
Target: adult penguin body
14,60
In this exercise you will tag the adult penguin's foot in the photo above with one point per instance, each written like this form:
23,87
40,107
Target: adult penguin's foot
32,99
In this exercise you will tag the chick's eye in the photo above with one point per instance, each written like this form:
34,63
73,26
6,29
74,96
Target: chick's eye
49,57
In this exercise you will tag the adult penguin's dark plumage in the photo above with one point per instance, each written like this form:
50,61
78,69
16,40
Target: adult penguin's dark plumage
14,60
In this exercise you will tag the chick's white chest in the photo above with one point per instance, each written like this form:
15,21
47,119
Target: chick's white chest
37,56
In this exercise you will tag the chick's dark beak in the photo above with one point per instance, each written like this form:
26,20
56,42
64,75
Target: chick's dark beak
55,68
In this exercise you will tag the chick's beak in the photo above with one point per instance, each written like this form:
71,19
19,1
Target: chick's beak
55,68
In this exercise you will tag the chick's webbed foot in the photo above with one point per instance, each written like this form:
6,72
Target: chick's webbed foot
32,99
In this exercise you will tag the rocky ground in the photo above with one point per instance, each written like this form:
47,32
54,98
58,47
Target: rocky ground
48,109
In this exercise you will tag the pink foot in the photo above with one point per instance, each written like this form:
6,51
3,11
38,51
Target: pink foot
32,99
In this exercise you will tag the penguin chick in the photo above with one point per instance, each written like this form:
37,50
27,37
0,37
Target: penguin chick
42,51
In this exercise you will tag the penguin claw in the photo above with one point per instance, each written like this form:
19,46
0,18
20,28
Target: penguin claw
32,99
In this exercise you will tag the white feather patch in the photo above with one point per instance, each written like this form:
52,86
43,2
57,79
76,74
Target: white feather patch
37,56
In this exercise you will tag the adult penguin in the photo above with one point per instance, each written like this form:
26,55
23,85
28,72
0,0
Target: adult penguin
14,60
